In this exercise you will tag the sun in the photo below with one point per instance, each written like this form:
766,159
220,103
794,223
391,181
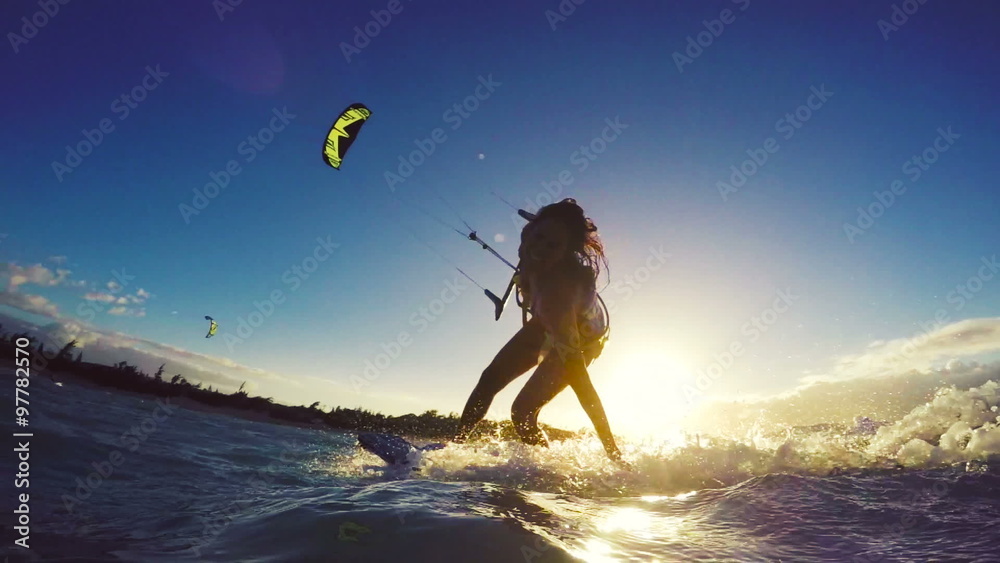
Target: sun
642,391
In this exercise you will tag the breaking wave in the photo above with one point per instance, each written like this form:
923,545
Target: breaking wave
955,427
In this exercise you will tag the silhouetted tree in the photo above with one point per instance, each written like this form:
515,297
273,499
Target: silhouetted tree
67,351
123,376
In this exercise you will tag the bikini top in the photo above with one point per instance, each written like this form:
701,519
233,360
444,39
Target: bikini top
593,321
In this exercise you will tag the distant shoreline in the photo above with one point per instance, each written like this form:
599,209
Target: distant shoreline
183,402
122,377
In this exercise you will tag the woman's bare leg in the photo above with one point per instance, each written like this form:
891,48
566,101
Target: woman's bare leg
516,357
544,385
548,381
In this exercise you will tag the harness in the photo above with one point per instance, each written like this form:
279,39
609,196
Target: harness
519,293
521,300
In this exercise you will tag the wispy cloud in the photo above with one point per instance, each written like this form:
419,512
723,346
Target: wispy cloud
110,347
885,381
99,297
960,339
122,302
36,274
30,303
17,277
105,346
127,311
65,331
886,398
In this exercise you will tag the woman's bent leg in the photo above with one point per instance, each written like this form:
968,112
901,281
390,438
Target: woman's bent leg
516,357
548,381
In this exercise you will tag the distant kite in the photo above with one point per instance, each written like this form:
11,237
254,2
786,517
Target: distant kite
212,327
343,133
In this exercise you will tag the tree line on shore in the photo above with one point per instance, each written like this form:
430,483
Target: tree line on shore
128,377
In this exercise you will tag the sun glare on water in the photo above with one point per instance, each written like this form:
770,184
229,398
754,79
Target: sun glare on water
642,392
622,526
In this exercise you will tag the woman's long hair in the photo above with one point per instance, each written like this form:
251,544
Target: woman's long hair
584,242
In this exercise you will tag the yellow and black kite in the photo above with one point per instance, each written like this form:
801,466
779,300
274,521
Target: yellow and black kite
212,327
343,133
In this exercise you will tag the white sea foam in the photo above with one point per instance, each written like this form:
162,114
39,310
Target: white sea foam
955,426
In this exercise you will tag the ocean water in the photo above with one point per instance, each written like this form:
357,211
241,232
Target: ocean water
118,477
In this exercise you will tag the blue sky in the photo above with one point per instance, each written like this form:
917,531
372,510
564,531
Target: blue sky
653,191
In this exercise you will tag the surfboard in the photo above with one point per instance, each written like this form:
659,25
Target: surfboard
392,449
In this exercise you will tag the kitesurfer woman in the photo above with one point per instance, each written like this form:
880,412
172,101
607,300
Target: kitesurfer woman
559,263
